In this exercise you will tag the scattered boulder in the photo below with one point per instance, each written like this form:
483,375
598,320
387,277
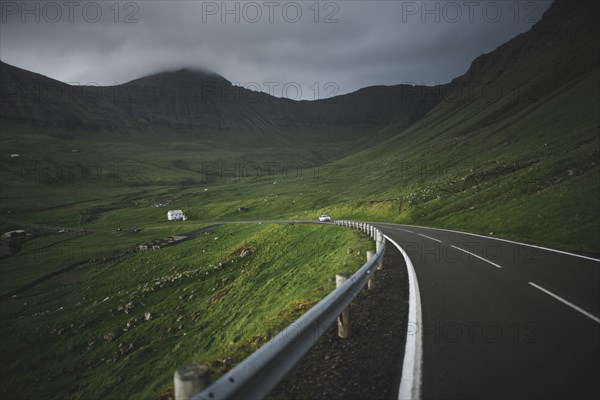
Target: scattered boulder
196,315
128,307
132,323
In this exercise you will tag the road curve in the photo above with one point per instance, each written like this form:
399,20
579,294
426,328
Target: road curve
502,319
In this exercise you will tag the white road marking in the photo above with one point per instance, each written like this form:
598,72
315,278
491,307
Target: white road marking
475,255
510,241
429,237
412,365
405,230
573,306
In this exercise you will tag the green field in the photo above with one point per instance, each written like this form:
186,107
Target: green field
533,176
521,170
521,163
212,300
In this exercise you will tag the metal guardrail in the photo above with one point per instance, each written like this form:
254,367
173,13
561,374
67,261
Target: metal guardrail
259,373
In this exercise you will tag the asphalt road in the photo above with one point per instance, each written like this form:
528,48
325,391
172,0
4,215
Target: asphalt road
496,323
500,319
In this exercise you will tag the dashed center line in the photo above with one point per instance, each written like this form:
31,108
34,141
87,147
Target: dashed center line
429,237
404,230
475,255
573,306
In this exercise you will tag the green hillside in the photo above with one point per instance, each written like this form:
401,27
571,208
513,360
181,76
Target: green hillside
532,175
511,148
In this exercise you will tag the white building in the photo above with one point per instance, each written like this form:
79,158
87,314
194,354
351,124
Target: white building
13,234
175,215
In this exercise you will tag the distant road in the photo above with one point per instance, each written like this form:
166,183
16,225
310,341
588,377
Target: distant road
502,319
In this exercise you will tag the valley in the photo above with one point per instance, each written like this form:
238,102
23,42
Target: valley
509,150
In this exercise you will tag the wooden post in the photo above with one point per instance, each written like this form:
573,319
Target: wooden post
190,380
371,284
379,244
344,318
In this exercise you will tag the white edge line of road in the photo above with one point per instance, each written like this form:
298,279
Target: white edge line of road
475,255
410,383
502,240
573,306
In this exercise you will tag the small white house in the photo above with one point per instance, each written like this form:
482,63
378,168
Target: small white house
13,234
175,215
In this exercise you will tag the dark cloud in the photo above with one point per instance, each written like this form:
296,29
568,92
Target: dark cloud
351,43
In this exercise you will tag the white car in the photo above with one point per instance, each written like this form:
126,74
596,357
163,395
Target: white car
324,218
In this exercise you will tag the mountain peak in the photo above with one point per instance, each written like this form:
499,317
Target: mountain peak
184,75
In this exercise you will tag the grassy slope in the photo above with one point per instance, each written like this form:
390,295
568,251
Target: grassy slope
524,167
208,303
532,176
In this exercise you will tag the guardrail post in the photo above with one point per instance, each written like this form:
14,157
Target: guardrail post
190,380
379,244
344,318
371,284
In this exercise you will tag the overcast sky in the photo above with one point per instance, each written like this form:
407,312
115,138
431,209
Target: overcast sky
317,48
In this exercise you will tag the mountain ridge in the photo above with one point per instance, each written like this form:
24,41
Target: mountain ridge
205,103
